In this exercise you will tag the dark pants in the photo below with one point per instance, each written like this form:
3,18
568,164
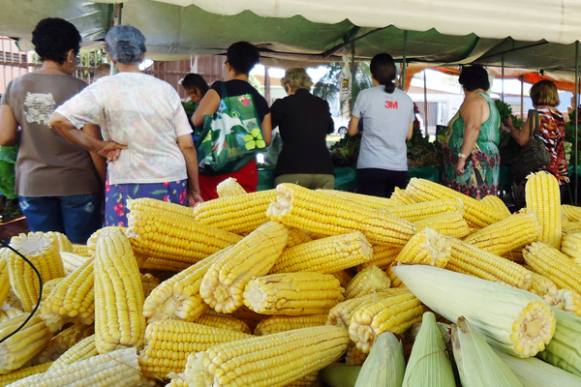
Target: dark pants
380,182
76,216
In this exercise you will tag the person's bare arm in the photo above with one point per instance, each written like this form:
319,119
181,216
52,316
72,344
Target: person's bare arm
108,149
472,113
267,128
208,106
186,145
353,126
523,135
8,126
99,162
410,132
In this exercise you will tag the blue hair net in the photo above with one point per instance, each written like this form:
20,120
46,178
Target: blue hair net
125,44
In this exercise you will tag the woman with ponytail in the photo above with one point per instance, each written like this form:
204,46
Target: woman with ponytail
388,116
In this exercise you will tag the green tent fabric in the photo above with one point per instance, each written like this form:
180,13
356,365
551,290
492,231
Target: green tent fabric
7,173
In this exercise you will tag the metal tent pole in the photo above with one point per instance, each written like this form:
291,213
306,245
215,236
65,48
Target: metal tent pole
576,158
522,97
502,76
425,103
404,60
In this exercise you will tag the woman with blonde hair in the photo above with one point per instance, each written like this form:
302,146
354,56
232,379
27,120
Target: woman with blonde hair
304,122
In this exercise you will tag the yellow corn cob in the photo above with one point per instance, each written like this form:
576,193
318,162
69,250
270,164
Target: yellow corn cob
61,239
72,262
22,373
427,247
81,250
496,204
224,282
471,260
343,277
169,231
276,324
8,312
554,265
229,188
341,314
369,280
54,322
571,245
4,280
169,342
62,342
418,211
401,196
92,241
272,360
394,314
395,281
74,296
119,317
24,345
541,285
82,350
323,214
297,237
43,251
292,294
223,322
326,255
12,301
117,368
451,224
179,296
361,200
543,198
476,213
514,232
572,213
568,227
565,299
382,256
354,356
239,214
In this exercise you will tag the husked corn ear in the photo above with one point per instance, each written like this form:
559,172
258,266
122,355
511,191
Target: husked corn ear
382,256
471,260
43,251
74,296
169,342
4,280
340,315
82,350
148,283
361,200
239,214
21,347
119,320
224,322
72,262
565,299
369,280
568,227
343,276
509,234
563,350
427,247
401,196
117,368
476,213
354,355
224,282
81,250
451,224
497,205
543,198
276,324
553,264
418,211
571,245
395,281
92,241
541,285
229,187
64,244
572,213
169,231
179,296
326,255
394,314
62,342
272,360
8,312
22,373
297,237
326,215
293,294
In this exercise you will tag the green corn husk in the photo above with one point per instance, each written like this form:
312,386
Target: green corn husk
429,364
339,375
564,351
533,372
478,364
384,365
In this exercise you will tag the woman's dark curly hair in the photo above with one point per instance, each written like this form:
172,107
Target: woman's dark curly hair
242,57
53,38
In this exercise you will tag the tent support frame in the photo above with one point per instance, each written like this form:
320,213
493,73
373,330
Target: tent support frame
576,158
404,60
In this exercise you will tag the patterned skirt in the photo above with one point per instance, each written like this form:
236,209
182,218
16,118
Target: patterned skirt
481,173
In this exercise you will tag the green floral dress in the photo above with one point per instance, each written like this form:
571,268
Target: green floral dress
480,177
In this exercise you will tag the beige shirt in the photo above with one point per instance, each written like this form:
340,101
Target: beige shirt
47,164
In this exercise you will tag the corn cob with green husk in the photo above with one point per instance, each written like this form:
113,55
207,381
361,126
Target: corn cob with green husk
426,247
564,351
543,198
451,224
385,364
369,280
518,322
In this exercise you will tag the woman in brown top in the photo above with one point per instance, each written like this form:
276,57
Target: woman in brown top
58,183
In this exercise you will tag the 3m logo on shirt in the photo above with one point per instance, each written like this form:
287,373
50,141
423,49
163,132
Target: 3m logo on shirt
392,105
38,108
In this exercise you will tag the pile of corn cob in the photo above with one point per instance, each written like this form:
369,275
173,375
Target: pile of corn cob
268,288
